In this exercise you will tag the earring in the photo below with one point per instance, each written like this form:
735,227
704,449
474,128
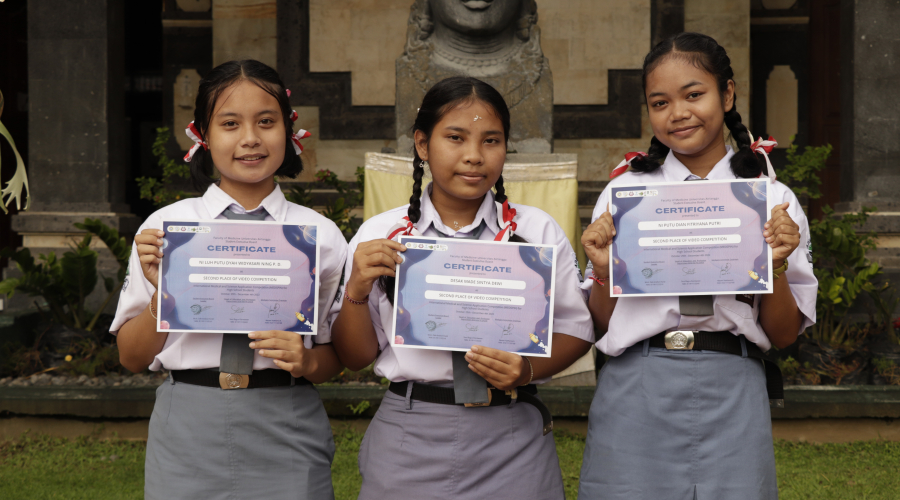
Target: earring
424,164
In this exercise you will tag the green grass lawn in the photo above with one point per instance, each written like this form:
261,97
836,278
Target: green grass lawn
46,468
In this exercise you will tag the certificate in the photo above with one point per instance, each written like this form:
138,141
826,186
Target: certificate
223,276
690,238
453,293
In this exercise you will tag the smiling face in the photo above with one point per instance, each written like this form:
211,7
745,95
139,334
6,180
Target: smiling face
466,154
246,135
477,17
687,111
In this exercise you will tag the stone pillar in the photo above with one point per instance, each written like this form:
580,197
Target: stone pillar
870,121
76,130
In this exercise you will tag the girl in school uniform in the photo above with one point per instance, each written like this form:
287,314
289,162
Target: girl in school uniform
270,436
692,423
421,444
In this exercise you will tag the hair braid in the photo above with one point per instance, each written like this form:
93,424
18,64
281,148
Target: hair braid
415,201
655,156
744,163
501,191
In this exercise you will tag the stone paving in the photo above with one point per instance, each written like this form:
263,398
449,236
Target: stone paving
109,380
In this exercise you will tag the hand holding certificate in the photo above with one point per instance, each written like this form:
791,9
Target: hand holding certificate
452,294
690,238
237,277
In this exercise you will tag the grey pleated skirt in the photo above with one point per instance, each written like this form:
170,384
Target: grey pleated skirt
209,443
679,425
433,451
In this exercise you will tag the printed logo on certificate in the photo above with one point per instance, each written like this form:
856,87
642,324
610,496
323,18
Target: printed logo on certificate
690,238
226,276
454,293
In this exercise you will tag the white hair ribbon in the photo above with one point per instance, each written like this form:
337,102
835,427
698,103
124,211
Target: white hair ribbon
765,147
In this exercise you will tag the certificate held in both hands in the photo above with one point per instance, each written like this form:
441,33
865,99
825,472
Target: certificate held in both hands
224,276
452,294
691,238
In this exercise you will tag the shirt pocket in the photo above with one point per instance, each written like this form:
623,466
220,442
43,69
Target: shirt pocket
735,309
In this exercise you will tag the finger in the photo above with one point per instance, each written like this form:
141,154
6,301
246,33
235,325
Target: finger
149,259
387,245
149,249
271,334
610,223
286,356
494,377
288,367
380,259
148,239
279,344
154,232
370,274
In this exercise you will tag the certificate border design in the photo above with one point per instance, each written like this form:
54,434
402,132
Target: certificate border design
316,320
649,185
549,349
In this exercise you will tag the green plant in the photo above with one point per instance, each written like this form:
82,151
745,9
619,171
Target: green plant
360,408
65,283
340,211
887,369
843,270
789,367
801,173
156,190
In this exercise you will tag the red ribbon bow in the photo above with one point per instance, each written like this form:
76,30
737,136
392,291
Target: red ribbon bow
507,224
624,164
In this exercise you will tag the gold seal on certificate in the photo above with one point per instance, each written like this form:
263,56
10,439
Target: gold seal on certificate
690,238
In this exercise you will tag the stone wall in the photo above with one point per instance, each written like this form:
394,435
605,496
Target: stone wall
582,39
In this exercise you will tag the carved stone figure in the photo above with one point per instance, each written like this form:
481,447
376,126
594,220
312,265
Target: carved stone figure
497,41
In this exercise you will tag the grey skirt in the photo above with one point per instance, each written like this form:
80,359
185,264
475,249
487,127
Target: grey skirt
209,443
679,425
433,451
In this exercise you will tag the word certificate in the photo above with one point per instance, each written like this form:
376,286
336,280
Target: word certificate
690,238
223,276
454,293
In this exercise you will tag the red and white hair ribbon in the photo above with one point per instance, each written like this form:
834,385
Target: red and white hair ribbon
301,134
623,166
505,216
403,227
194,134
765,147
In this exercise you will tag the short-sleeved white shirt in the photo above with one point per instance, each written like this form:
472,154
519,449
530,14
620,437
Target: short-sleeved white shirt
184,351
570,312
637,318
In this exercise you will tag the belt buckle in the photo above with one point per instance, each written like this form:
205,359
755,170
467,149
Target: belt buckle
229,381
680,340
479,405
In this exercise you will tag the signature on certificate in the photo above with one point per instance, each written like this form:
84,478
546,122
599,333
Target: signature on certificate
688,270
236,310
507,330
472,328
649,273
273,309
724,270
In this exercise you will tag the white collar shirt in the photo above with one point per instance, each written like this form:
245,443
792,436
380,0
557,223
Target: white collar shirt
637,318
184,351
570,313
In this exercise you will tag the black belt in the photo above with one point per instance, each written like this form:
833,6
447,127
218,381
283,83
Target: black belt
257,380
729,343
445,396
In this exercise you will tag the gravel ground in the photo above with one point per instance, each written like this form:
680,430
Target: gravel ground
111,380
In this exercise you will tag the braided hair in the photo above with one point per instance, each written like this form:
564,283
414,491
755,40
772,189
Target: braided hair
212,86
443,97
705,53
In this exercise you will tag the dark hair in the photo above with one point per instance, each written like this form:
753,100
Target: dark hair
705,53
211,87
443,97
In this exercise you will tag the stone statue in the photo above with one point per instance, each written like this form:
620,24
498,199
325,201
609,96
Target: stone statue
497,41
